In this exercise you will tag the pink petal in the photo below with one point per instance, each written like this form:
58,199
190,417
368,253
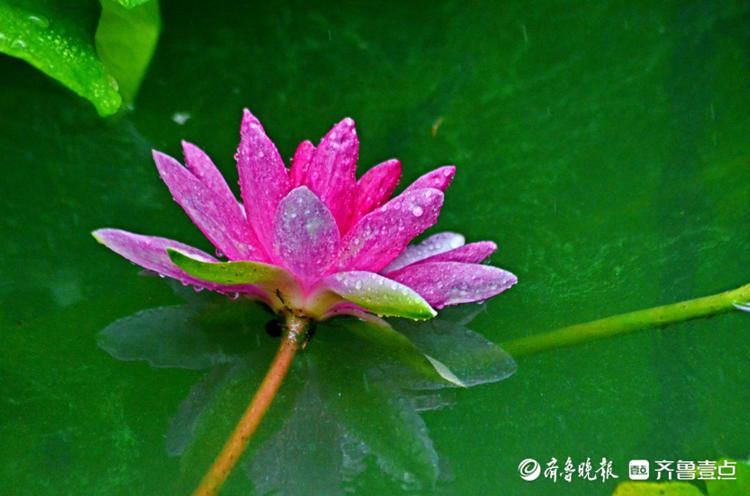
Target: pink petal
204,169
210,205
263,178
382,234
451,283
301,163
437,243
332,171
471,253
375,187
305,237
440,179
150,252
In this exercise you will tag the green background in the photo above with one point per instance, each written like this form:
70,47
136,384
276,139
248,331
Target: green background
603,146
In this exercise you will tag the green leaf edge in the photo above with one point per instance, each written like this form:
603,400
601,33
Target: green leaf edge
398,346
125,41
85,75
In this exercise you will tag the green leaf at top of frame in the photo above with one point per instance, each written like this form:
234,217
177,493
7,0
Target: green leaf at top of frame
56,38
126,38
133,3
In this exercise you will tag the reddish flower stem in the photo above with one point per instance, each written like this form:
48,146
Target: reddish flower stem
294,335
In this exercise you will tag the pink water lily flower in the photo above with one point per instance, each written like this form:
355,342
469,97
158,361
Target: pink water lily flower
313,239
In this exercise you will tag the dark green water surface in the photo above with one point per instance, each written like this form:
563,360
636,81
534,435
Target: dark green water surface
603,145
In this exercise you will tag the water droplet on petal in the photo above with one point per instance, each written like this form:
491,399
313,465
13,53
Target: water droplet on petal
358,285
417,211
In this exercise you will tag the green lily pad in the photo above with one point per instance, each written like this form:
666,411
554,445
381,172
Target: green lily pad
731,478
739,486
630,488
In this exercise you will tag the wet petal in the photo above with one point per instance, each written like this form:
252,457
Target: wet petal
440,179
379,295
472,253
216,214
332,171
437,243
150,252
451,283
375,187
263,178
382,234
202,167
301,163
305,237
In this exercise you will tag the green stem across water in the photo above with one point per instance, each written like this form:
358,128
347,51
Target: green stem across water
294,335
707,306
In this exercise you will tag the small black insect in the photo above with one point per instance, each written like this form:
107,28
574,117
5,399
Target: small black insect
273,328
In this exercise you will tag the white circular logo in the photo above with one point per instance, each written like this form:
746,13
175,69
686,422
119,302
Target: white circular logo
529,469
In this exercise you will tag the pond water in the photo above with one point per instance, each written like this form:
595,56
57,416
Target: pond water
604,148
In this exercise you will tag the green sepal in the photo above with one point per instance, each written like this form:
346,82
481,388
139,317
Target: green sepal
380,295
239,272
